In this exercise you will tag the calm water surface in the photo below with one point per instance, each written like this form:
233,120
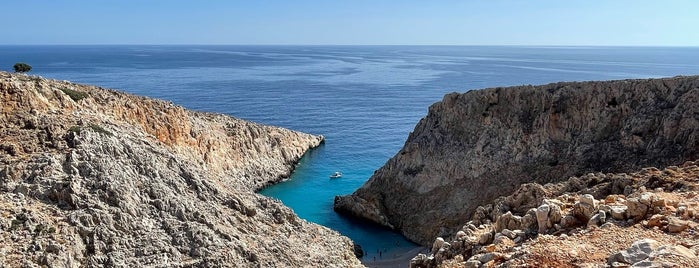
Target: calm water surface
363,99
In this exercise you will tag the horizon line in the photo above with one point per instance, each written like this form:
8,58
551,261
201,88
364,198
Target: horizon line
366,45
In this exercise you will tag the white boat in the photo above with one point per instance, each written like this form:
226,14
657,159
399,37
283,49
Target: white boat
336,175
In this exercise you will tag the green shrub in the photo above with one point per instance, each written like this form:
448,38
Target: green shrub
16,223
95,128
75,95
39,229
75,129
22,67
100,130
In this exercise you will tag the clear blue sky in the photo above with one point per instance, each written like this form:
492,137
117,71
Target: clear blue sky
422,22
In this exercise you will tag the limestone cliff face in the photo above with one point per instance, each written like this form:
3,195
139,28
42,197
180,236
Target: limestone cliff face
94,177
476,146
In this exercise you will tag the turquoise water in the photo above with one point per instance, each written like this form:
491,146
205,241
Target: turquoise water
364,99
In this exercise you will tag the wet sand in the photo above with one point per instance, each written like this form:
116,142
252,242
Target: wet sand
398,261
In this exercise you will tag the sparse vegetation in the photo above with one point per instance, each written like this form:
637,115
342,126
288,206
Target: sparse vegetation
75,129
22,67
100,130
16,223
39,229
95,128
75,95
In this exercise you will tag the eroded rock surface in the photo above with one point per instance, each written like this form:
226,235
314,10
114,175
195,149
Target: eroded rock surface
476,146
92,177
663,235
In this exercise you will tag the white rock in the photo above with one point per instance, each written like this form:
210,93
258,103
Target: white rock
639,251
618,212
588,199
542,217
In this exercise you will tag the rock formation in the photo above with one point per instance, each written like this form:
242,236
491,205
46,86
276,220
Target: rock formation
94,177
476,146
648,218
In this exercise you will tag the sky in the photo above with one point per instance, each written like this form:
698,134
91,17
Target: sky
356,22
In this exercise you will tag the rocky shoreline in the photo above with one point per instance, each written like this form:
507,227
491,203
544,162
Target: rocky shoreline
95,177
474,147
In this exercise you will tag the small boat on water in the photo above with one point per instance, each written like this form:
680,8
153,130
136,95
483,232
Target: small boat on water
336,175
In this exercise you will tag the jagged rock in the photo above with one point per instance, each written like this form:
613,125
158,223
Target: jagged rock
119,180
636,209
589,200
460,235
656,221
649,253
438,243
508,221
618,212
472,264
528,221
562,250
675,225
676,250
555,215
485,237
486,257
474,147
585,208
508,233
419,261
639,251
542,217
597,220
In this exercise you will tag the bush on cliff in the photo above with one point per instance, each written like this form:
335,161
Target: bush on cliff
22,67
75,95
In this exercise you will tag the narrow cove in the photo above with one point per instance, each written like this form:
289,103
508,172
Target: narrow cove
365,100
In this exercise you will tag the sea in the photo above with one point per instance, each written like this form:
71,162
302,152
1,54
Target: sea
365,100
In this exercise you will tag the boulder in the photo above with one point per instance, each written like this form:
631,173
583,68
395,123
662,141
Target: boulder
656,220
636,209
542,218
676,225
585,208
639,251
618,212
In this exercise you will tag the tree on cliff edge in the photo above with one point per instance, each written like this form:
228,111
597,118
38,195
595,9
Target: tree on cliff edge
22,67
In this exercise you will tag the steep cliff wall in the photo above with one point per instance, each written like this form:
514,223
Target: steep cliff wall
476,146
94,177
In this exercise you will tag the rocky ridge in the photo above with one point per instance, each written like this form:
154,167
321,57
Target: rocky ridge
643,219
95,177
473,147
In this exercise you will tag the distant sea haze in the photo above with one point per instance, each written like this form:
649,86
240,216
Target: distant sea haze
364,99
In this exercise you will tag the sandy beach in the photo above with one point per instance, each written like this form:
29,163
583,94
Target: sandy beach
401,260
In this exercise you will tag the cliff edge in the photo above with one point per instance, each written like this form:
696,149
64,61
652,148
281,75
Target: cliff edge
474,147
647,218
94,177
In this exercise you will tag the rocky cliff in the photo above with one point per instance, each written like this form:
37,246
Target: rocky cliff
474,147
647,218
94,177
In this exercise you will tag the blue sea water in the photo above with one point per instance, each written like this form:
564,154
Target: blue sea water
364,99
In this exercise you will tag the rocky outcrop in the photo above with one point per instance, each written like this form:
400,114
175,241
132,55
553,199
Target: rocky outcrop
544,225
93,177
476,146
